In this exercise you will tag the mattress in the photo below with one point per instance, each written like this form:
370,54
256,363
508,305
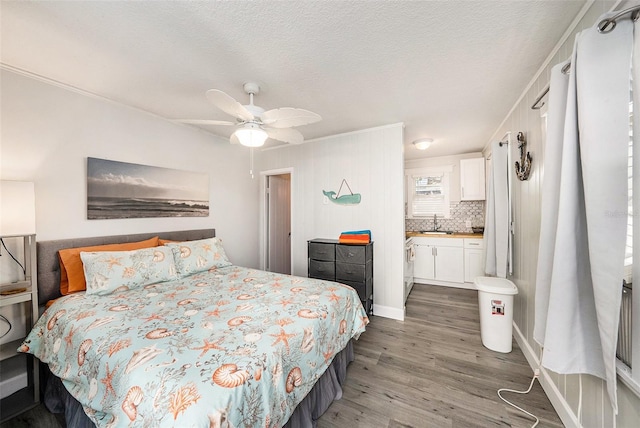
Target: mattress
229,345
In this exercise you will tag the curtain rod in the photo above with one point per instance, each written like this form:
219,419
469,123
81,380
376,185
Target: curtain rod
507,136
608,24
537,105
605,26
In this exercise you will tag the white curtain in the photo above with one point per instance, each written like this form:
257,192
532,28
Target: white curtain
584,207
496,228
550,196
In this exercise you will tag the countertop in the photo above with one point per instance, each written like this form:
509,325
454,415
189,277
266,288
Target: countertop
440,235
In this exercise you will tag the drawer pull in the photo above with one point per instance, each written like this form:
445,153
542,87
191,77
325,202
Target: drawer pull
474,243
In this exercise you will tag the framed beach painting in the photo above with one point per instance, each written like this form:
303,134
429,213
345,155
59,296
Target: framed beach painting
128,190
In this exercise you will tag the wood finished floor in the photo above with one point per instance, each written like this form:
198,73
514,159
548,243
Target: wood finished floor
432,371
429,371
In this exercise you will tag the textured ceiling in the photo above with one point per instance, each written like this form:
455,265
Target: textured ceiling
450,70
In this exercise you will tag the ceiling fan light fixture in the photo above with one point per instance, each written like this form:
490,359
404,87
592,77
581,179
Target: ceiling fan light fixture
251,135
423,143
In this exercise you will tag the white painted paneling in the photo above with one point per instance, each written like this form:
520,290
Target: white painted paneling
596,409
48,132
371,162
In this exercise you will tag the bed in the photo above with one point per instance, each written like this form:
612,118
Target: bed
214,345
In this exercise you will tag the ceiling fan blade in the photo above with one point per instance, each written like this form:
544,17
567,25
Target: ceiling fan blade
287,117
204,122
228,105
290,136
234,139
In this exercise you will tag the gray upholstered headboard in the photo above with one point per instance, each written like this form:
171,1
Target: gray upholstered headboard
49,264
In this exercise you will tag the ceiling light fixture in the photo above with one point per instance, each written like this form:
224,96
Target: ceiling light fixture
251,135
423,143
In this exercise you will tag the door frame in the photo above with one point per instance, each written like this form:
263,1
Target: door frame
262,227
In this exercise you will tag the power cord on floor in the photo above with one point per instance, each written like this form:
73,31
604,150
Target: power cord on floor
536,374
580,400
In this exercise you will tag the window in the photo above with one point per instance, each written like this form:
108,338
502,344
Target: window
428,193
628,351
628,256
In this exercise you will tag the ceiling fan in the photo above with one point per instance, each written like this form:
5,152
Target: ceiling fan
253,124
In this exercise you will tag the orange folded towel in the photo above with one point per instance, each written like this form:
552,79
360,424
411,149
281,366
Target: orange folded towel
354,239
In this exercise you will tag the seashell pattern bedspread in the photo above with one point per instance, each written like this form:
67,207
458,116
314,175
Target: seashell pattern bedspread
233,344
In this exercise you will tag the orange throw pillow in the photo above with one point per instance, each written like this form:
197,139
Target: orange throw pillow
72,270
165,241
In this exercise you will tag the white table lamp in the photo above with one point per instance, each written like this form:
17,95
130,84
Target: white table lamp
17,208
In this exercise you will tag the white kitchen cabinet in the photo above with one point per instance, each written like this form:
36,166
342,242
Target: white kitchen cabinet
438,260
424,264
449,263
472,179
473,259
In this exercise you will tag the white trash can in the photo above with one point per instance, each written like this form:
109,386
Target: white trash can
495,299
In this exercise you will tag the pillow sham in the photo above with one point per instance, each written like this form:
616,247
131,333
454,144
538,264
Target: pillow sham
72,271
197,256
108,271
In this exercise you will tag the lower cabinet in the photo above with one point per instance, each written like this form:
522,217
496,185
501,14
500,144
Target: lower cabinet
438,259
424,266
473,259
348,264
448,263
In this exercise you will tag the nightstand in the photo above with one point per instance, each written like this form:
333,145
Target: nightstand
25,294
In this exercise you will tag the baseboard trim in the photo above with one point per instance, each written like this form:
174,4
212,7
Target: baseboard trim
388,312
465,285
561,406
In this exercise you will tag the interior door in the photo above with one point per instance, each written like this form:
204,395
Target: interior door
279,223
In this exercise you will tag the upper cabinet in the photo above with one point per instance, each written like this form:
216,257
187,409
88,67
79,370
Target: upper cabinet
472,181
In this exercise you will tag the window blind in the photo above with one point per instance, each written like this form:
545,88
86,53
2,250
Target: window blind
430,195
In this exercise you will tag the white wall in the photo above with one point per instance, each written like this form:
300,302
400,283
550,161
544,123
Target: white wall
48,132
372,163
563,390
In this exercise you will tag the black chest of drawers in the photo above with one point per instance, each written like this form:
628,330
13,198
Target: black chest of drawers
348,264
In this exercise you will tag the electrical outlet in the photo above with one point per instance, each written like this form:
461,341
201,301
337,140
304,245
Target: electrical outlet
468,223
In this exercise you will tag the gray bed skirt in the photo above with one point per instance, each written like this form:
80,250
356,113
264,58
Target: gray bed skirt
328,388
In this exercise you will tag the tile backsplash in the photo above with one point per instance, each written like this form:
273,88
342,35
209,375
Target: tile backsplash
460,213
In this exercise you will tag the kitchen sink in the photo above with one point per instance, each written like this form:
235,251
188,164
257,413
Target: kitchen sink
437,232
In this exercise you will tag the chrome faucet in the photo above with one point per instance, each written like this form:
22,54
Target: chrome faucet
435,223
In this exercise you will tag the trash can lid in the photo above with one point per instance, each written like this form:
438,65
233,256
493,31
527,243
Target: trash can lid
495,285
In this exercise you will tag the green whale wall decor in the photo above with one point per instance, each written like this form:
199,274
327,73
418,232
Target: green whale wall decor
352,199
336,198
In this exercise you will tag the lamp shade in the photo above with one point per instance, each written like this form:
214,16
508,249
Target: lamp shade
251,135
17,208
